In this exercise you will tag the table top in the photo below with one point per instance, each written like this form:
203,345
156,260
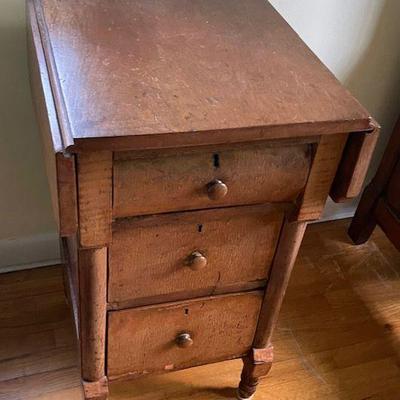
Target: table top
189,68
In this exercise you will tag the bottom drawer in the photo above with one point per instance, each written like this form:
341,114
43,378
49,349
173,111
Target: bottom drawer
180,335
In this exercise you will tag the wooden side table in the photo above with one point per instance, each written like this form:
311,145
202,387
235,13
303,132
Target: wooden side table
188,144
380,202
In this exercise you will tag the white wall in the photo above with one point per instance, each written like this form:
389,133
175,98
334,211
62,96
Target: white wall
357,39
27,229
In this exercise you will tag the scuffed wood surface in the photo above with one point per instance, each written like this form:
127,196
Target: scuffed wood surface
96,390
285,257
384,185
44,107
69,247
95,198
67,194
345,348
148,255
176,181
142,340
50,73
92,312
40,84
134,68
354,165
325,163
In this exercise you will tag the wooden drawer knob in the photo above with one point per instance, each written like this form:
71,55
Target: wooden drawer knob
184,340
196,261
217,190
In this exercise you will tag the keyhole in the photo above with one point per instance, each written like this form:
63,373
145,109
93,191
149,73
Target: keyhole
216,160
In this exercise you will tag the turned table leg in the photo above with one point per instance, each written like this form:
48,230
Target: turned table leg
259,360
92,292
97,390
255,365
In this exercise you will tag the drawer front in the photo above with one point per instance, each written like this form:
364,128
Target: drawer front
150,183
145,340
185,255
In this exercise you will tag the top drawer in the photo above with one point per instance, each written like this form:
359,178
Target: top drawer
171,180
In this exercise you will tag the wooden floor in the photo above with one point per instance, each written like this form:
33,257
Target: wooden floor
338,335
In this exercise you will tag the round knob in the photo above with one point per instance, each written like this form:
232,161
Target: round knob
184,340
196,260
217,190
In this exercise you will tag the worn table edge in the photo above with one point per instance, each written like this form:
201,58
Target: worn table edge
133,140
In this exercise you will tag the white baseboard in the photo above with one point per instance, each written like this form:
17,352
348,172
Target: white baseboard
334,211
29,252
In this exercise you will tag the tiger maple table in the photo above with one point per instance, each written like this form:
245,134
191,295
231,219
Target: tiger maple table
187,144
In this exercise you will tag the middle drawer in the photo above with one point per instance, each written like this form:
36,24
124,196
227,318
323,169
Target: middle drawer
185,255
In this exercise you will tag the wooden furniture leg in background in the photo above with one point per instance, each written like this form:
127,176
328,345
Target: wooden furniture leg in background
259,361
364,222
92,321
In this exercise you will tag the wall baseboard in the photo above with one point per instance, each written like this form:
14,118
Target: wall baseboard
335,211
29,252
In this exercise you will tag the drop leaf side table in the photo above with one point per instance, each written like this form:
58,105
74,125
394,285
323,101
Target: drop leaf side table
187,143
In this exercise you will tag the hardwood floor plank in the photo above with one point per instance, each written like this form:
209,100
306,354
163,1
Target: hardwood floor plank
338,337
38,362
33,386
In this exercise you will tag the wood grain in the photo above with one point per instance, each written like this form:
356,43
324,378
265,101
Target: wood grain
178,181
214,138
354,165
222,327
44,107
196,91
69,247
52,75
92,312
347,348
286,253
364,220
96,390
209,69
253,370
95,198
148,256
325,163
40,84
67,194
60,168
388,221
393,190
